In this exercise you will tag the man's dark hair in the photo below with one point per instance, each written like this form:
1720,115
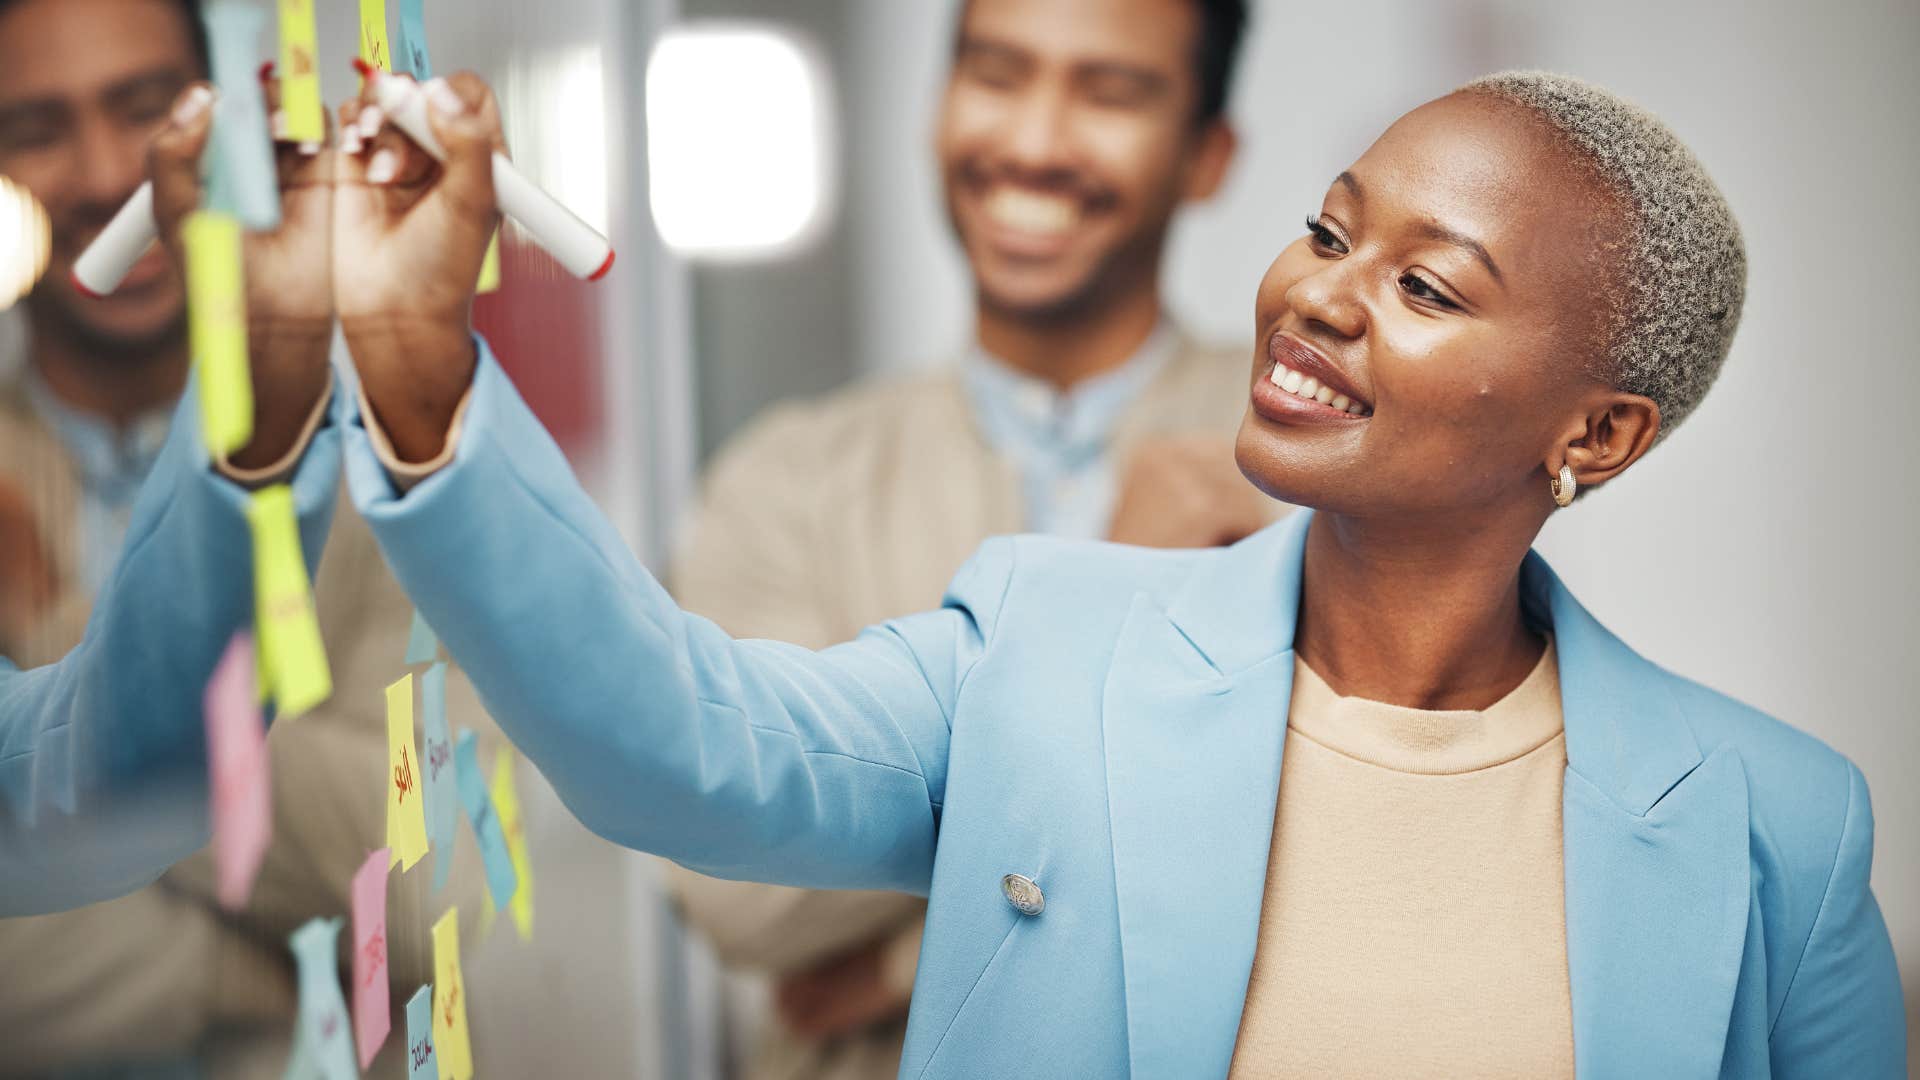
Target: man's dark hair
1223,24
196,30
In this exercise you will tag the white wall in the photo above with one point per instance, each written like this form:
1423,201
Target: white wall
1769,548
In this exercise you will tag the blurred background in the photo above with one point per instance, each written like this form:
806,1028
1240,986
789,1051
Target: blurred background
1767,550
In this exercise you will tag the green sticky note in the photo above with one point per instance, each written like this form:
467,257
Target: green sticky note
293,661
217,329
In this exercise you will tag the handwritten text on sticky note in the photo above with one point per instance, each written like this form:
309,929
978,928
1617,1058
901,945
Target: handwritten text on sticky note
506,803
501,879
300,100
370,1019
406,805
293,662
436,753
322,1045
373,34
237,770
422,1064
450,1039
217,329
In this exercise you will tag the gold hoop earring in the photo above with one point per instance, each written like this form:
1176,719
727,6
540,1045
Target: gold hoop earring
1563,486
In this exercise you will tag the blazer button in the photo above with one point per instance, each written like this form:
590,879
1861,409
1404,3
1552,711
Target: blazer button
1023,894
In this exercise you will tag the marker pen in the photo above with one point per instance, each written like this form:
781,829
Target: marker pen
100,269
572,242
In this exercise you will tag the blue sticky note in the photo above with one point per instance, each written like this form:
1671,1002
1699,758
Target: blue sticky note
242,177
423,646
436,750
421,1062
322,1037
501,879
412,56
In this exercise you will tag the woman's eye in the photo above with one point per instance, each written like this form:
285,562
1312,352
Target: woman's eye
1421,289
1324,237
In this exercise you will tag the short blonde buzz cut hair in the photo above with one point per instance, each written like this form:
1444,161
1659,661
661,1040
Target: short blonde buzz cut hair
1684,268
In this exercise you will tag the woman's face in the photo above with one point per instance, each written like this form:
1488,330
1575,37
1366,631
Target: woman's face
1451,289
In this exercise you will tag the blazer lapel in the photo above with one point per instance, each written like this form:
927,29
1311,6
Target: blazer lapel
1194,715
1657,868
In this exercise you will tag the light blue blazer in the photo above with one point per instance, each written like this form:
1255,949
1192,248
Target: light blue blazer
1109,722
103,754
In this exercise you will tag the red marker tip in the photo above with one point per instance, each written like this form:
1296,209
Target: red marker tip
266,71
81,287
365,69
604,267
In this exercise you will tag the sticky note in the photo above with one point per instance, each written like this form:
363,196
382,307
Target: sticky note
490,266
413,41
370,1020
422,644
321,1043
237,771
501,878
292,660
373,34
450,1041
406,805
506,804
243,178
436,755
217,328
421,1062
300,100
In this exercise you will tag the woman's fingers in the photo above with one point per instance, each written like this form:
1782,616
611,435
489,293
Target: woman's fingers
173,158
466,120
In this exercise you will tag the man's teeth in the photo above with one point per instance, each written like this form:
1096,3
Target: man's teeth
1308,387
1032,212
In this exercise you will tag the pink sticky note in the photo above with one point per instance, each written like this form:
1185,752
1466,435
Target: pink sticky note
370,1020
237,771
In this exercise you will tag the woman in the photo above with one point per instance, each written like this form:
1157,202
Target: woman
1505,843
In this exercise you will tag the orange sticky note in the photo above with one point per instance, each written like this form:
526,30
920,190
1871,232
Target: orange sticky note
506,805
450,1039
406,799
292,660
490,266
373,34
217,329
300,74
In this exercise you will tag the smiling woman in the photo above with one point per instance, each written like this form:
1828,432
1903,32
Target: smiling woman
1368,793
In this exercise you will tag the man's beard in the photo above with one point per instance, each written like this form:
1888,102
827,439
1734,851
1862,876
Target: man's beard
48,316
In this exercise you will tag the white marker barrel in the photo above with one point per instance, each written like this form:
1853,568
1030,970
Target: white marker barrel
573,243
104,265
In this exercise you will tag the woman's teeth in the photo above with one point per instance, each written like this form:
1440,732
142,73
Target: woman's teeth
1306,386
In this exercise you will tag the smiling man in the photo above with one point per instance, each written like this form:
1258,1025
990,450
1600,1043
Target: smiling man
1070,134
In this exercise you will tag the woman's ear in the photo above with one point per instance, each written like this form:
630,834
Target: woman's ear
1616,431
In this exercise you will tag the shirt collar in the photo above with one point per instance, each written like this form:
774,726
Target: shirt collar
1022,413
112,461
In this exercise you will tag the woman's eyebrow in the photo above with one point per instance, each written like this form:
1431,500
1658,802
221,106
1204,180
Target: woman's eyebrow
1436,231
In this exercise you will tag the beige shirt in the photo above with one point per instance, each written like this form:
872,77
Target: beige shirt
1414,922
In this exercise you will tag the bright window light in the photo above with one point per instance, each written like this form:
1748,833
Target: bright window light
24,239
737,154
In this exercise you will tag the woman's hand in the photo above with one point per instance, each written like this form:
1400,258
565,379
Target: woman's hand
409,237
288,274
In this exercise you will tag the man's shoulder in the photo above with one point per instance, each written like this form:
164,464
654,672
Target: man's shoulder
864,410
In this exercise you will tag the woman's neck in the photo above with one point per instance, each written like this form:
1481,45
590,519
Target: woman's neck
1426,616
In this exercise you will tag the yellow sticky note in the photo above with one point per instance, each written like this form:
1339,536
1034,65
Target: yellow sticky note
293,661
406,800
217,328
490,266
373,34
450,1001
300,73
506,806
